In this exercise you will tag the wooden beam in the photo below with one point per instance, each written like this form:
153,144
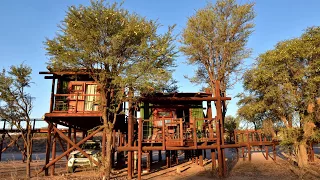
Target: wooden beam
70,149
75,145
168,99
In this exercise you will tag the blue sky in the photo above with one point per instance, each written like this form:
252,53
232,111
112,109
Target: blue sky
26,24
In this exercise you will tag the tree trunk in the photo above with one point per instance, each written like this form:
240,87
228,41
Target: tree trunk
28,146
108,155
302,155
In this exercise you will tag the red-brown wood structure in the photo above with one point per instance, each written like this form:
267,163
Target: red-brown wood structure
168,122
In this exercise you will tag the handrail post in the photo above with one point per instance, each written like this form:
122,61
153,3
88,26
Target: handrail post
181,132
195,133
163,135
76,108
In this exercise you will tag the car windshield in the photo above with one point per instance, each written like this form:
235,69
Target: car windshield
95,146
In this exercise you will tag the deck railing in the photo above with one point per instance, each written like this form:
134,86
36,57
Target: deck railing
177,132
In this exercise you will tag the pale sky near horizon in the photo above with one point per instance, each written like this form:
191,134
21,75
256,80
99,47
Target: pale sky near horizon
26,24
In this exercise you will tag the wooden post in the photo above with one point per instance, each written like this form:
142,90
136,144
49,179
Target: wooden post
267,152
248,146
53,154
32,132
209,115
68,144
83,134
149,160
2,138
130,140
139,148
177,157
48,146
195,133
52,96
163,135
181,133
213,159
75,135
159,156
224,162
168,159
200,158
197,156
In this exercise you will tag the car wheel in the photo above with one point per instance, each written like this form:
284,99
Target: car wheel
71,169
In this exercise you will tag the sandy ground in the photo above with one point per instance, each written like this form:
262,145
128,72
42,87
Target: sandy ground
258,168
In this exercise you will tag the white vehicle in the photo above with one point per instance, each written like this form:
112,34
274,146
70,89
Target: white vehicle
77,159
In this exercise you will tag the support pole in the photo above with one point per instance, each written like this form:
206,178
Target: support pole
267,152
200,158
68,145
48,146
2,138
130,134
53,153
213,159
75,135
159,156
139,148
168,159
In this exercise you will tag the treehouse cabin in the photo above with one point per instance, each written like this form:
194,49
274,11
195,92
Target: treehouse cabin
75,101
177,119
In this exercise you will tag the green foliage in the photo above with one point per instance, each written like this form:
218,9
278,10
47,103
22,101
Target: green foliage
121,50
215,40
15,102
282,85
231,123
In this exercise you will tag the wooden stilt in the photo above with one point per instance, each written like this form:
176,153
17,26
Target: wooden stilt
53,153
197,156
168,159
159,156
177,158
200,158
267,152
68,145
48,146
213,159
243,156
225,169
75,135
139,149
151,158
2,138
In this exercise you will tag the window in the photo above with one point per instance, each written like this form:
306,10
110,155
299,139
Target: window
76,90
91,103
